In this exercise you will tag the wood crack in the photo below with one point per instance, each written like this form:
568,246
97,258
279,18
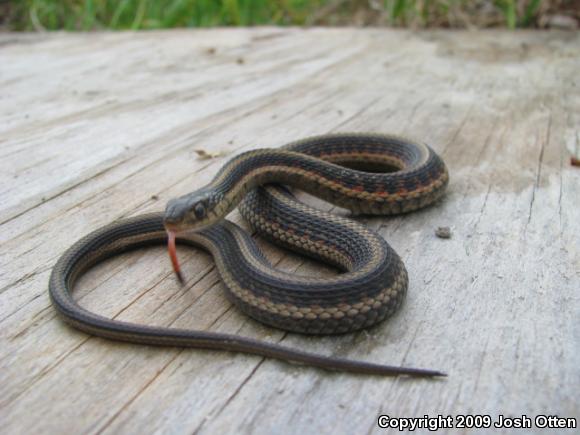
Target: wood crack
543,145
457,131
482,209
144,388
233,395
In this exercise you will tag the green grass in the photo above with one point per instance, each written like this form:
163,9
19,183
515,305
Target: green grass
157,14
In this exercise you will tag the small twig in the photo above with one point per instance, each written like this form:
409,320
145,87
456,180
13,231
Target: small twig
36,21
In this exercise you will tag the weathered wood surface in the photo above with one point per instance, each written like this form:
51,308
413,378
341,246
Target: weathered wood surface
95,127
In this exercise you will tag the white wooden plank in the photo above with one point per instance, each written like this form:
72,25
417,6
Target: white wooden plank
97,124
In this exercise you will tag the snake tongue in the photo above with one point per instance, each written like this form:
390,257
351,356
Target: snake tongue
173,256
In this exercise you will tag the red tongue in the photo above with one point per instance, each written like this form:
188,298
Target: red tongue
173,255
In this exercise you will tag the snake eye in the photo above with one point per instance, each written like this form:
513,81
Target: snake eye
199,210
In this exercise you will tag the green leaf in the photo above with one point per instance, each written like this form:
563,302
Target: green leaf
530,12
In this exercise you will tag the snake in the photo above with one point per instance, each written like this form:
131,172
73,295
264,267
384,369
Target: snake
366,173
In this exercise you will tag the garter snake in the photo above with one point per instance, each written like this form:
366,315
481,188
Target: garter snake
343,169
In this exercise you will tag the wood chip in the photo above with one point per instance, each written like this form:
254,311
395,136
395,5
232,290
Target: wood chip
443,232
205,155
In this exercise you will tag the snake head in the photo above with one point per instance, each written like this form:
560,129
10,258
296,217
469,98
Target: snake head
193,211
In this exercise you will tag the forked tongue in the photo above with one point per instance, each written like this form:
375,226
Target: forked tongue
173,255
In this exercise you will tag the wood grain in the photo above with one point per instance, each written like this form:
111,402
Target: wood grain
95,127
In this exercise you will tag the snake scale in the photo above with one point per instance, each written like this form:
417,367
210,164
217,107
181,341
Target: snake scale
365,173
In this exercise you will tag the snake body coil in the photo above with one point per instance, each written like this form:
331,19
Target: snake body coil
373,281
